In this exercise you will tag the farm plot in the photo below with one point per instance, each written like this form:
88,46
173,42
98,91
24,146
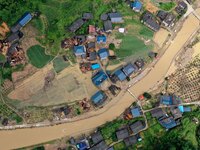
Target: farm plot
37,56
59,64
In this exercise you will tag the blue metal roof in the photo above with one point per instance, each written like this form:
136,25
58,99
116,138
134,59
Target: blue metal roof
168,123
25,19
166,100
129,69
135,112
136,4
79,50
187,109
103,53
181,108
99,78
98,97
95,66
120,74
82,146
101,39
184,109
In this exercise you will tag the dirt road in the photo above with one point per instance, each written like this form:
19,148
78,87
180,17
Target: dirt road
25,137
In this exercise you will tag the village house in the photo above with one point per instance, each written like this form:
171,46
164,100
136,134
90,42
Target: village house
136,112
176,112
99,78
103,53
114,89
184,108
129,69
95,66
157,113
76,25
122,133
181,8
136,5
131,140
120,75
167,19
99,98
108,26
96,137
100,146
22,22
83,144
93,56
168,122
150,21
115,17
14,37
137,127
139,63
80,51
101,39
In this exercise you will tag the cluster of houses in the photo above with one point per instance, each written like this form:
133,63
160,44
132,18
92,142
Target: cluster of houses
172,119
129,134
163,18
9,47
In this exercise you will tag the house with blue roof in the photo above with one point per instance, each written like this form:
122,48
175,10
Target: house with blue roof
101,39
25,19
99,78
136,112
120,75
136,5
103,53
98,98
80,51
168,122
184,109
83,145
129,69
166,100
22,22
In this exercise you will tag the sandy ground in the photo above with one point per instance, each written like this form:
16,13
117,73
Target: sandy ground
196,49
68,86
150,7
160,37
112,110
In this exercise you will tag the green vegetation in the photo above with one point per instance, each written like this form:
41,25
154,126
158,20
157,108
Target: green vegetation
111,46
2,58
37,56
181,137
6,112
109,129
120,146
59,64
167,6
147,95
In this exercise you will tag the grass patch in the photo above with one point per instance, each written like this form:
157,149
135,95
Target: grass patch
59,64
167,6
37,56
120,146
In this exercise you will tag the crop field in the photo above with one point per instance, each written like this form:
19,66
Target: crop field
59,64
167,6
37,56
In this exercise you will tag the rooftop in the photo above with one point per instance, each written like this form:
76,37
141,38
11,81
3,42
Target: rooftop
130,140
100,146
76,25
87,16
103,53
166,99
99,78
129,69
137,126
120,75
98,98
122,133
157,113
136,112
108,26
79,50
101,39
96,137
136,5
25,19
168,122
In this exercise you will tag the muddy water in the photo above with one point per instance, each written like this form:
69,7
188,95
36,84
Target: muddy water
25,137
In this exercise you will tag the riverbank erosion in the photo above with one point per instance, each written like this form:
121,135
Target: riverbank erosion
25,137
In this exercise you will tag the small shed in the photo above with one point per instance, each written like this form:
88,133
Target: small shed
87,16
95,66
